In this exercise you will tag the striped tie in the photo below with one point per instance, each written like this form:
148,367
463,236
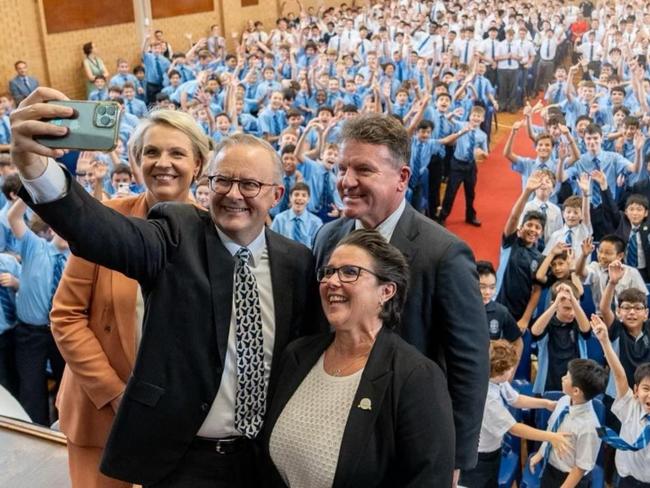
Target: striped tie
610,437
632,254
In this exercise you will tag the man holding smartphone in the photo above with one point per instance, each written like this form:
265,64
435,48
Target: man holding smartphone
187,417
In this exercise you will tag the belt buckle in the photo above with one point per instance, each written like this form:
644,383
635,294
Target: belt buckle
218,447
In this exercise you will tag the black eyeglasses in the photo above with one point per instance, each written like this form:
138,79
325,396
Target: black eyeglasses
347,273
247,187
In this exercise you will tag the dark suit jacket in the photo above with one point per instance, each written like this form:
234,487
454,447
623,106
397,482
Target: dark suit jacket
444,316
18,89
186,276
405,439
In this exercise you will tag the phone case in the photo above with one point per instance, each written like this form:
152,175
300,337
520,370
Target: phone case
96,127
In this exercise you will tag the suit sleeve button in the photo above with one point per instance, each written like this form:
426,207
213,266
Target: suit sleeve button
205,407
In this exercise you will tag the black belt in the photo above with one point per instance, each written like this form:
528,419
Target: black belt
227,445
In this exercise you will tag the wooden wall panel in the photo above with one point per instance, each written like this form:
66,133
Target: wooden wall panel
70,15
166,8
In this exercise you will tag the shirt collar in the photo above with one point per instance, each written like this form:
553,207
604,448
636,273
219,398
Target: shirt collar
581,409
387,227
256,247
294,215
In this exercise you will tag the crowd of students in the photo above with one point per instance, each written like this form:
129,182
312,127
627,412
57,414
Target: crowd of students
569,294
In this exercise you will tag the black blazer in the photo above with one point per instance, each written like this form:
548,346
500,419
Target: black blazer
406,439
444,317
186,276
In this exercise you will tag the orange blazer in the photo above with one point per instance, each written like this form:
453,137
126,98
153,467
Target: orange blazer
93,323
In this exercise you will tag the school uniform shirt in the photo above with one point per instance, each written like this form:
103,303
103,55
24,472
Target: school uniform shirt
515,276
285,224
507,47
155,67
497,419
421,154
34,297
462,149
489,49
484,89
314,174
555,93
577,234
98,95
526,49
548,48
135,107
553,216
501,323
120,79
632,351
528,166
591,51
558,344
598,277
581,421
633,419
272,122
5,130
8,264
266,88
464,50
424,44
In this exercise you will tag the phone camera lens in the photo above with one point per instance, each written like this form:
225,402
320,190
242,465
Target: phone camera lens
105,121
110,110
101,110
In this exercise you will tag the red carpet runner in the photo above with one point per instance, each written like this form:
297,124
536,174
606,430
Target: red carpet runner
496,191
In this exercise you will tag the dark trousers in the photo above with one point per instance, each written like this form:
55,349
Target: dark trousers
34,346
202,467
152,90
630,482
491,74
460,172
436,168
486,472
8,378
507,95
553,478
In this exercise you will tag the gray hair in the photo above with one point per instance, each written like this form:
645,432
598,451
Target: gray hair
240,138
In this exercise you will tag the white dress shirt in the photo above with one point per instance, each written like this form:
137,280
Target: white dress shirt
387,227
598,278
553,216
497,419
631,414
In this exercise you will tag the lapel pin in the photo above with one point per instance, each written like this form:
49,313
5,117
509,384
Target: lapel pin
365,404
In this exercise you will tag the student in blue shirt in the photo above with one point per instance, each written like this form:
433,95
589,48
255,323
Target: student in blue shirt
140,91
471,142
42,266
123,74
9,283
296,222
10,188
132,105
266,87
290,177
5,130
155,67
273,120
100,93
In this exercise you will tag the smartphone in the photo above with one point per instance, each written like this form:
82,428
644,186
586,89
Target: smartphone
94,128
123,188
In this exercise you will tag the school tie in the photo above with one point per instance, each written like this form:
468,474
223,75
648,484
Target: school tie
558,93
284,203
159,69
441,125
569,237
596,162
326,194
298,231
250,400
544,209
591,52
493,50
471,145
57,272
423,43
466,54
276,124
509,52
479,88
8,305
608,436
632,254
416,159
129,106
554,428
6,133
548,50
338,47
363,48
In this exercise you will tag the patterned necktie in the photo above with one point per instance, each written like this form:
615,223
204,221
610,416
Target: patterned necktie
250,401
554,428
298,231
471,145
416,159
596,162
569,237
632,254
558,93
57,271
610,437
8,305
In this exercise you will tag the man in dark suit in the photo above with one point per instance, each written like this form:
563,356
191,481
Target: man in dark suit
223,297
444,316
22,84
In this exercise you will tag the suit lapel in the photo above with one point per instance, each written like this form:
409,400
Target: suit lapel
221,267
281,281
361,421
405,233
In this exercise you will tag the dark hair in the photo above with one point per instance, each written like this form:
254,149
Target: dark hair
288,149
618,243
87,48
632,295
584,117
641,372
11,184
379,130
594,129
425,124
534,215
324,108
300,186
638,199
631,121
100,77
485,268
589,376
138,69
619,89
121,169
390,266
623,109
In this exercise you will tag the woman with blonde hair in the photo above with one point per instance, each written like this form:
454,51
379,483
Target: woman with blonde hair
97,313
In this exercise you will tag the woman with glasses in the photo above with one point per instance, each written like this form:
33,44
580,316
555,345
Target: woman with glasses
359,406
97,313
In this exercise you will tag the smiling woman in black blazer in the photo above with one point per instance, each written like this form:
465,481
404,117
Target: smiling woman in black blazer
359,406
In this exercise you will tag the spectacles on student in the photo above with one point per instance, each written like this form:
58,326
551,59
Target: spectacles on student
638,308
249,188
348,273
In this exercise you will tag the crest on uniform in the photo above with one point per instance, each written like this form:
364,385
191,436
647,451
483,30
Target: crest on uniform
534,265
494,326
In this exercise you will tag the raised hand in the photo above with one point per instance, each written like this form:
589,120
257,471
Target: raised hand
587,246
599,329
616,271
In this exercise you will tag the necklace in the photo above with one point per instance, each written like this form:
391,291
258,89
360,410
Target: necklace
346,367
